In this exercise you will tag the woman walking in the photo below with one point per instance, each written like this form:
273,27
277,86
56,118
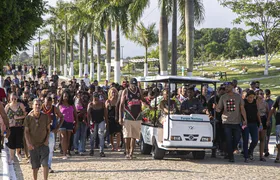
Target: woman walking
97,114
114,126
81,133
264,110
68,110
16,114
253,119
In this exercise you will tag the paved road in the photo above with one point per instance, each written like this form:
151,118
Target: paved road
115,166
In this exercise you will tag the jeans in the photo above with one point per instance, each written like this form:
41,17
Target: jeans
267,137
232,134
100,129
252,129
80,137
51,148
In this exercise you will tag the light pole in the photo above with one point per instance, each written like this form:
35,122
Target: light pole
39,50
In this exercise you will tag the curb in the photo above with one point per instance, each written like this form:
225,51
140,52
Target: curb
8,170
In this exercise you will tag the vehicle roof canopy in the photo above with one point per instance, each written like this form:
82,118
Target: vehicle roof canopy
177,79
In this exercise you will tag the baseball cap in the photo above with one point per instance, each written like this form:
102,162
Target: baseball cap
252,82
133,81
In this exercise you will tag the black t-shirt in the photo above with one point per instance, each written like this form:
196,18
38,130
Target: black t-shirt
55,78
251,111
276,105
19,68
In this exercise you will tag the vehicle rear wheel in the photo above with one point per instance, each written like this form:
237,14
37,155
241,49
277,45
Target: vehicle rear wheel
198,154
158,153
145,148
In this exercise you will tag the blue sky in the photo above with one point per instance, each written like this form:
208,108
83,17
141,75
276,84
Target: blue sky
216,16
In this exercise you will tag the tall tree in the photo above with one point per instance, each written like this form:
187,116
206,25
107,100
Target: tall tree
262,17
146,37
174,39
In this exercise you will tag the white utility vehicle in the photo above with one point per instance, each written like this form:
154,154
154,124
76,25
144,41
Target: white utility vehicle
179,134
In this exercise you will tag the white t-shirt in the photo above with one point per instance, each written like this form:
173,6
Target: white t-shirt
87,81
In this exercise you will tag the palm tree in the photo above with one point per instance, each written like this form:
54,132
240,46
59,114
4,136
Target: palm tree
118,14
192,12
174,39
146,37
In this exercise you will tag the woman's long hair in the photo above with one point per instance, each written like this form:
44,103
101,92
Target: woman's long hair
70,98
110,93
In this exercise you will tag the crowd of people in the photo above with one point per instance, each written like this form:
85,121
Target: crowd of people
40,111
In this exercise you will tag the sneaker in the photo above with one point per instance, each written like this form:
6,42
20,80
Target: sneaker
64,157
81,154
68,155
266,154
263,159
102,154
277,160
50,170
91,153
246,160
251,157
19,157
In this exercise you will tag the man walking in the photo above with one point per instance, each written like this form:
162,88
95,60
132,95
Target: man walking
130,106
37,130
232,106
54,113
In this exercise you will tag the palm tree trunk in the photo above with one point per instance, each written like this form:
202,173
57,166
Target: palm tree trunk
189,23
50,53
91,58
80,54
108,52
163,40
66,48
72,56
60,58
39,50
98,60
86,54
54,57
174,39
117,70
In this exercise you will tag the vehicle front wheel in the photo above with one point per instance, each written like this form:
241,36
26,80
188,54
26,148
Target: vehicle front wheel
198,154
145,148
158,153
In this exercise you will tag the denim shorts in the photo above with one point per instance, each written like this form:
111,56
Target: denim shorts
67,126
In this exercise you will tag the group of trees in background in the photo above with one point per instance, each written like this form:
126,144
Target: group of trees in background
75,28
19,21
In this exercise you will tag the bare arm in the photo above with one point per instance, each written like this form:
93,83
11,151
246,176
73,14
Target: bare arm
243,112
48,131
121,109
60,115
271,112
4,115
88,113
27,138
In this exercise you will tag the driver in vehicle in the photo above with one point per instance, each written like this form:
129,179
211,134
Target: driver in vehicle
191,105
163,106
